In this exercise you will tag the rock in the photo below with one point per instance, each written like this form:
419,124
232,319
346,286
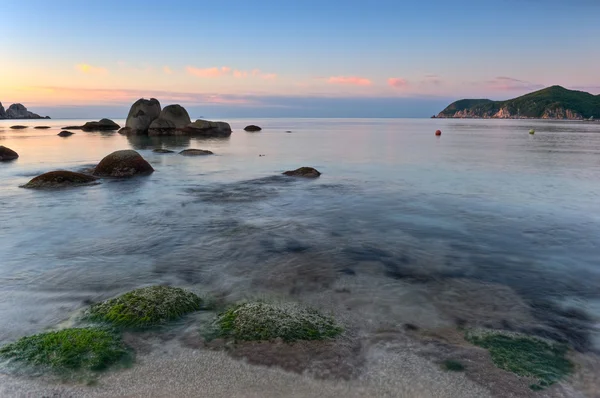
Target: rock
72,128
142,114
195,152
160,150
18,111
161,127
60,179
126,163
126,131
177,115
438,132
2,112
41,127
65,134
208,129
18,127
306,172
7,154
102,125
252,128
289,131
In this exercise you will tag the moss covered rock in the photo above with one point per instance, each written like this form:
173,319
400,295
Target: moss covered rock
60,179
145,307
125,163
306,172
266,321
68,350
525,355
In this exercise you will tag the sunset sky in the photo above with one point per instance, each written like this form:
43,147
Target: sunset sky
291,58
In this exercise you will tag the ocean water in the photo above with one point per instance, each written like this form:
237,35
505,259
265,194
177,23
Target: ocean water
485,225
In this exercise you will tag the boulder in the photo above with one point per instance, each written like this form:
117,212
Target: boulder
252,128
126,163
126,131
42,127
7,154
208,129
18,111
161,127
101,125
306,172
161,150
65,134
18,127
2,112
177,115
195,152
142,114
60,179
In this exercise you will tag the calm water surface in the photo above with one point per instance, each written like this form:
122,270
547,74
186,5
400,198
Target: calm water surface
486,202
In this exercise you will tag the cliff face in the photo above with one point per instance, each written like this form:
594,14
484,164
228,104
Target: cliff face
551,103
18,111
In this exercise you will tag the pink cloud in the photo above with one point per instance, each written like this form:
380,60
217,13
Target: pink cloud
240,74
208,72
167,70
269,76
255,72
349,80
397,82
91,70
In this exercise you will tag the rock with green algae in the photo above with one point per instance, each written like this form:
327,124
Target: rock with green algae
60,179
68,350
306,172
146,307
525,356
258,321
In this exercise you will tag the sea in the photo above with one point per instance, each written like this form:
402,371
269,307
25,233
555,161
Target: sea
485,225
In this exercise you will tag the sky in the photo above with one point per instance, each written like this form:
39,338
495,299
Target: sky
267,58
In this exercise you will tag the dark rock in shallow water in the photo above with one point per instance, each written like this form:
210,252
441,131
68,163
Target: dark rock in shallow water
160,150
125,163
306,172
102,125
72,128
65,134
18,127
59,179
177,115
141,115
161,127
126,131
195,152
7,154
207,128
252,128
42,127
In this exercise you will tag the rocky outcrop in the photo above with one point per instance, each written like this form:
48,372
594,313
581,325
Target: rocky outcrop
161,127
306,172
177,115
126,163
195,152
60,179
7,154
252,128
207,128
101,125
65,134
141,115
18,111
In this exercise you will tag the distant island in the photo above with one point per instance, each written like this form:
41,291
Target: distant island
554,102
18,111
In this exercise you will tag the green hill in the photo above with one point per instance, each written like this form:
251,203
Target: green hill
554,102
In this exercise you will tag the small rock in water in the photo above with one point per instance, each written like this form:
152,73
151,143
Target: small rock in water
7,154
252,128
161,150
438,132
65,134
306,172
126,163
18,127
532,131
59,179
288,131
41,127
195,152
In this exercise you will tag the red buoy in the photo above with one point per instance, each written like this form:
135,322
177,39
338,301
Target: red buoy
438,132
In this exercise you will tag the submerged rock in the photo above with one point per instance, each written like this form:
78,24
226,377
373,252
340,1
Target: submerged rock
161,150
148,306
126,163
266,321
195,152
18,127
161,127
42,127
65,134
208,129
306,172
141,115
60,179
252,128
7,154
68,350
175,114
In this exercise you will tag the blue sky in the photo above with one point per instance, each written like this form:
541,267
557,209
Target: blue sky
378,58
